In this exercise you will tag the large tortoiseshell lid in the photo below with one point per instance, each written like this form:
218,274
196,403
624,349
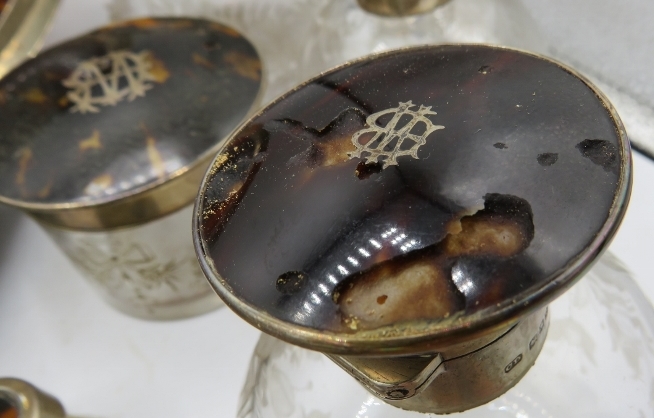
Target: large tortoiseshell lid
121,109
425,190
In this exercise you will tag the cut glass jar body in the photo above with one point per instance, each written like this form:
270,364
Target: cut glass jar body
149,271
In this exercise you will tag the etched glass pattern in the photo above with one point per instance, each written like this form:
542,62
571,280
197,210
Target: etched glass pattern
598,361
149,271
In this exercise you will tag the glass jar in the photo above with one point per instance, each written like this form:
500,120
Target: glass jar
422,207
106,139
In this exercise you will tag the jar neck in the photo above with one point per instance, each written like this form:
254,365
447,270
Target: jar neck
397,8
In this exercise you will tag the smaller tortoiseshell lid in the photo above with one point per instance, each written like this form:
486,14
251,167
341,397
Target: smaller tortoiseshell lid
418,194
121,110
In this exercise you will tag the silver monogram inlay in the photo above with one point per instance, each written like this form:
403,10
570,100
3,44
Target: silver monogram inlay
107,80
385,144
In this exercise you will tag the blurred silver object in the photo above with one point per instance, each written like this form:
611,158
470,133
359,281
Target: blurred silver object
400,7
21,399
23,25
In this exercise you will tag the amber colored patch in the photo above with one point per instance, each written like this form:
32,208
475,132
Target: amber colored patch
419,284
153,154
225,29
98,184
35,95
45,191
244,65
63,102
417,290
454,226
202,61
145,23
331,144
25,157
217,165
157,68
92,142
10,412
3,97
485,236
334,151
104,180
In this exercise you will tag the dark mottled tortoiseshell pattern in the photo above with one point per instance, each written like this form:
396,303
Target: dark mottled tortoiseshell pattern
286,203
204,79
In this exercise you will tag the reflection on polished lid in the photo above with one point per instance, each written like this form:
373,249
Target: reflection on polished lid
121,110
417,193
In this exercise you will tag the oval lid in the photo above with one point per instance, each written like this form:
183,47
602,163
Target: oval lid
412,199
116,127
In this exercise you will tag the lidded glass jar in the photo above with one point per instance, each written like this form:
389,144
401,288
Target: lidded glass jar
105,140
411,215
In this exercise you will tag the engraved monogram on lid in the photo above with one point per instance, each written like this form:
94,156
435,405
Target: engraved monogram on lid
388,142
108,79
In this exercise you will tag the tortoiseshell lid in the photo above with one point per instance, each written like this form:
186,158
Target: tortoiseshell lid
121,109
436,188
